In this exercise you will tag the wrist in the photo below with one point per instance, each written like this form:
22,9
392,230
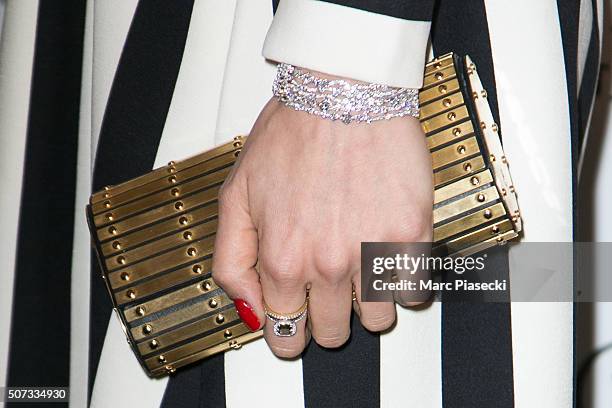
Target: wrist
346,100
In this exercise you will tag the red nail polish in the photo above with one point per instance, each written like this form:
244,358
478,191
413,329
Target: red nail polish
247,314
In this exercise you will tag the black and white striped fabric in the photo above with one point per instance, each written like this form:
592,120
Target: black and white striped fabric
94,92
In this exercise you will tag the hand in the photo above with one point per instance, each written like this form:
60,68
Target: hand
302,197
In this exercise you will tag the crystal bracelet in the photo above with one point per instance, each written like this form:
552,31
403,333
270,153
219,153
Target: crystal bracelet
337,99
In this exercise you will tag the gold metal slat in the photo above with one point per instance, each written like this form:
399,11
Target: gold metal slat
235,342
437,92
450,101
451,134
469,221
450,118
188,331
157,214
465,204
455,152
439,76
170,195
462,186
163,262
176,224
168,183
185,350
438,63
173,298
458,170
182,315
119,279
162,172
491,242
166,280
155,247
477,236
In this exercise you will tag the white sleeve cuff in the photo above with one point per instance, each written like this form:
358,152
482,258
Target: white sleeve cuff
348,42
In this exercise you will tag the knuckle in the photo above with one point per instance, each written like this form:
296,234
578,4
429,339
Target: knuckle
227,193
378,322
333,265
224,191
219,275
283,269
222,277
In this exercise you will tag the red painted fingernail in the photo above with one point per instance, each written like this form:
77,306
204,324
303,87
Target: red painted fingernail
247,314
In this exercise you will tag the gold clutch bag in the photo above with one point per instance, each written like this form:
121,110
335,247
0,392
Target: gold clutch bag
154,234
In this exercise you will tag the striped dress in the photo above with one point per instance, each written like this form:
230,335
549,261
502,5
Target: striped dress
95,92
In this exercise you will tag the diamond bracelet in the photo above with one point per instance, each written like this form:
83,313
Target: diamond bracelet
337,99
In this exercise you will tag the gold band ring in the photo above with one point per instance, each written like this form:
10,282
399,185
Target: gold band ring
277,315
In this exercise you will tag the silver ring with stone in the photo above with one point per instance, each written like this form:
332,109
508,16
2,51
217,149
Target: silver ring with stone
285,324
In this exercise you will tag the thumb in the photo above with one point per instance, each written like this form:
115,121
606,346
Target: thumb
235,255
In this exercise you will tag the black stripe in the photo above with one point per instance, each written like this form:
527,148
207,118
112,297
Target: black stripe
39,351
569,12
419,10
200,386
346,377
476,337
134,120
416,10
583,313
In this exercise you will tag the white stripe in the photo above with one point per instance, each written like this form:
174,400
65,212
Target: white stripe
585,29
411,360
81,249
533,102
250,372
192,117
348,42
16,59
120,381
112,19
603,26
247,83
246,89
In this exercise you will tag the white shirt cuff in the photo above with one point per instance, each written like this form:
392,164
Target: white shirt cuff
348,42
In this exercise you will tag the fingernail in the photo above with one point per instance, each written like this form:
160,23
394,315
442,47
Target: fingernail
247,314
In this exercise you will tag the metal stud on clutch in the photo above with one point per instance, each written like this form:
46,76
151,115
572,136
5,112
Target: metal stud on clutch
154,234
